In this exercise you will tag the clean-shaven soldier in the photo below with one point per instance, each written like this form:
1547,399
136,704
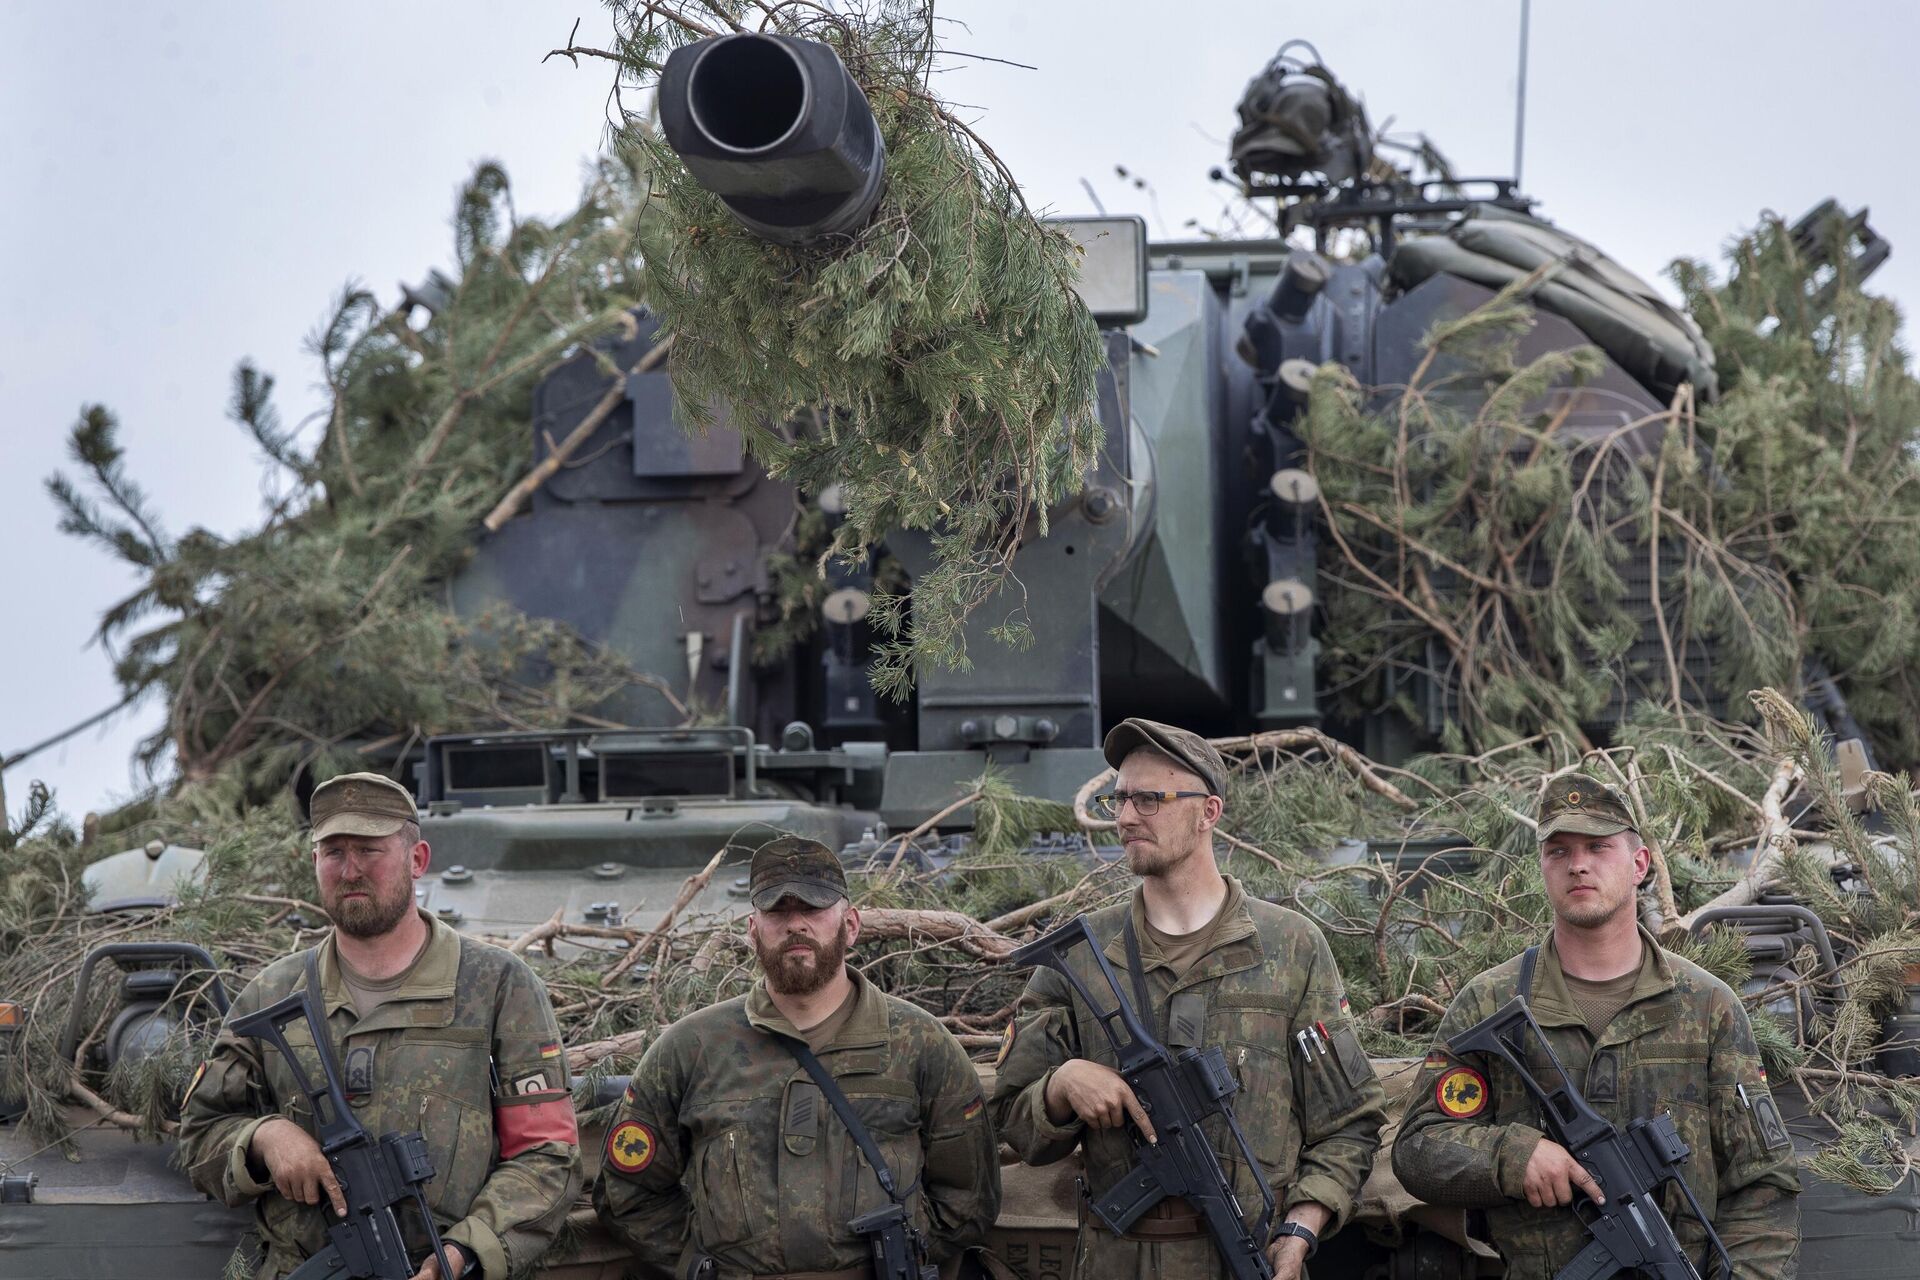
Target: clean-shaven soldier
1640,1031
434,1032
1222,968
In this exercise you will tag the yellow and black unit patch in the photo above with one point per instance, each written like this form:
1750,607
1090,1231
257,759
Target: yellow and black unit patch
630,1146
1006,1044
1461,1093
198,1073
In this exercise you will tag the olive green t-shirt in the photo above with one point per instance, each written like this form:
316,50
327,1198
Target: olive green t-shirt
1184,950
821,1033
1598,1002
369,994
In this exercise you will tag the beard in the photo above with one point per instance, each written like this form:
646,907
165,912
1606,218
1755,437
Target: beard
368,917
801,975
1157,859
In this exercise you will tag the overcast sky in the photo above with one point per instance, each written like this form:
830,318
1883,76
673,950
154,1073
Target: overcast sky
189,184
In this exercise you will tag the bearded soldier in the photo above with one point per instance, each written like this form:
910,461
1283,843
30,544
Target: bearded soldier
1640,1031
434,1032
1221,969
728,1159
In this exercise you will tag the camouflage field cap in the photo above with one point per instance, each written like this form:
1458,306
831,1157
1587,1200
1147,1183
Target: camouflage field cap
1583,806
360,804
796,867
1189,750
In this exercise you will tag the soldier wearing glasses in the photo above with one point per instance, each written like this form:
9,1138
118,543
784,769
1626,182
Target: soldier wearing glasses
1222,968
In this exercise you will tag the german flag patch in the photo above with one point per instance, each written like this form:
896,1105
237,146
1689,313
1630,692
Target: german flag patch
630,1146
974,1108
551,1049
1435,1060
1461,1093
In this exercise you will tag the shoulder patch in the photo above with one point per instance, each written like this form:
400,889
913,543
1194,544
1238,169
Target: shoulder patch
630,1146
1461,1093
551,1049
974,1108
1006,1044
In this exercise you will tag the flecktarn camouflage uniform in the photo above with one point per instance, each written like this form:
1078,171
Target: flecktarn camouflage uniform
1682,1044
1309,1102
724,1145
466,1051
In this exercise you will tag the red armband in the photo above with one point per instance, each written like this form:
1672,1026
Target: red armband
525,1122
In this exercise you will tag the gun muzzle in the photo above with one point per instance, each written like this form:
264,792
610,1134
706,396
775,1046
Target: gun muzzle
776,127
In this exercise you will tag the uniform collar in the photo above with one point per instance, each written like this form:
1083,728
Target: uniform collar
1236,943
865,1027
1649,1006
433,978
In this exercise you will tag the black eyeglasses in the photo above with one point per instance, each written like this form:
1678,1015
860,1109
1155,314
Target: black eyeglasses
1108,804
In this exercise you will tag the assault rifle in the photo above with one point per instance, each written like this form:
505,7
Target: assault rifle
1177,1091
375,1175
1630,1232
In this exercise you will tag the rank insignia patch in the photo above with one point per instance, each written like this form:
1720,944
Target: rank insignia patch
1461,1093
360,1071
630,1147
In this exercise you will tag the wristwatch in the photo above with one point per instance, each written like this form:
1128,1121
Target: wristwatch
1302,1230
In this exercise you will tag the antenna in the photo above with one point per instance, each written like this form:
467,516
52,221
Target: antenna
1520,101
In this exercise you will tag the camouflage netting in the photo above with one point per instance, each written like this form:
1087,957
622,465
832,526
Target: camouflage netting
936,365
1477,547
321,637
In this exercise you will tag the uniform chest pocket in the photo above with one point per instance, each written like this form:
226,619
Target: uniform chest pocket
892,1123
460,1139
1264,1108
722,1168
450,1060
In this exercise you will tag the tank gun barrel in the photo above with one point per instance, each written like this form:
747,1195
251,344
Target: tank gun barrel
776,127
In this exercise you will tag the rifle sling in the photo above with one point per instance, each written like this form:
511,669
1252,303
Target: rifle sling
1137,971
323,1043
830,1090
1527,961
